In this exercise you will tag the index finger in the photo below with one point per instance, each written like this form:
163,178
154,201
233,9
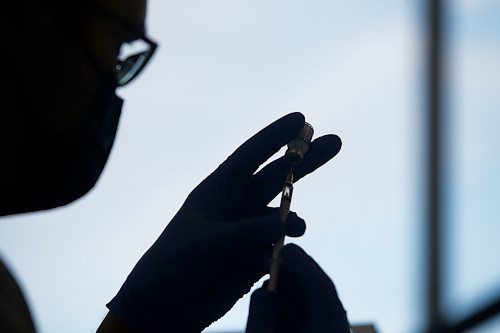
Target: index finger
268,182
245,160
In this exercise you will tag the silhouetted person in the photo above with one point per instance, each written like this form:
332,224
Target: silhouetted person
59,116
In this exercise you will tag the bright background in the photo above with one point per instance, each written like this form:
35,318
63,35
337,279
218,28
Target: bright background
224,70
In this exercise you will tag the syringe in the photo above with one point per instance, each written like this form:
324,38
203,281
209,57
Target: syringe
295,152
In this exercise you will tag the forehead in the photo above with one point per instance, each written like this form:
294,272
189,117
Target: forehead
132,11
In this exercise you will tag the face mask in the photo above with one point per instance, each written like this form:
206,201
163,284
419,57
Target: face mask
55,170
51,169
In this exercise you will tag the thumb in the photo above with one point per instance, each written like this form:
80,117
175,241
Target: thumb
325,311
252,234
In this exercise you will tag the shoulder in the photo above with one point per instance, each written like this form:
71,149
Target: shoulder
14,312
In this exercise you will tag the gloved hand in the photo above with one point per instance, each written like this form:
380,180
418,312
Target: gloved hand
216,246
306,300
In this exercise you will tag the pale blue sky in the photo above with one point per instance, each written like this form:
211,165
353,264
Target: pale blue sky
227,68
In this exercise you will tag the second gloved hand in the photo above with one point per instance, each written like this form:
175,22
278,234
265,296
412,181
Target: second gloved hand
305,302
216,246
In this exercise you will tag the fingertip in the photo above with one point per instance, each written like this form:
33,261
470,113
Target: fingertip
297,257
292,250
297,116
337,140
295,226
295,121
328,145
291,122
321,150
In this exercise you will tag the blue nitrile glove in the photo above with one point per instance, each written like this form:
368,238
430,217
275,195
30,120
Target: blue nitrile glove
306,300
217,245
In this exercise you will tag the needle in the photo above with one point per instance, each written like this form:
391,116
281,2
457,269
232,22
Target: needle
286,200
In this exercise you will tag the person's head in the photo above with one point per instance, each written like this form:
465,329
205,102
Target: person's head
59,113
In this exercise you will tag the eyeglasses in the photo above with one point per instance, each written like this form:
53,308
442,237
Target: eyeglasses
139,53
131,65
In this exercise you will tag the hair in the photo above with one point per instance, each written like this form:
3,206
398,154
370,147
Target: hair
67,13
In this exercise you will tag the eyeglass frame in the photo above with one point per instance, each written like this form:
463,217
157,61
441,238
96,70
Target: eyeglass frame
147,56
129,27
